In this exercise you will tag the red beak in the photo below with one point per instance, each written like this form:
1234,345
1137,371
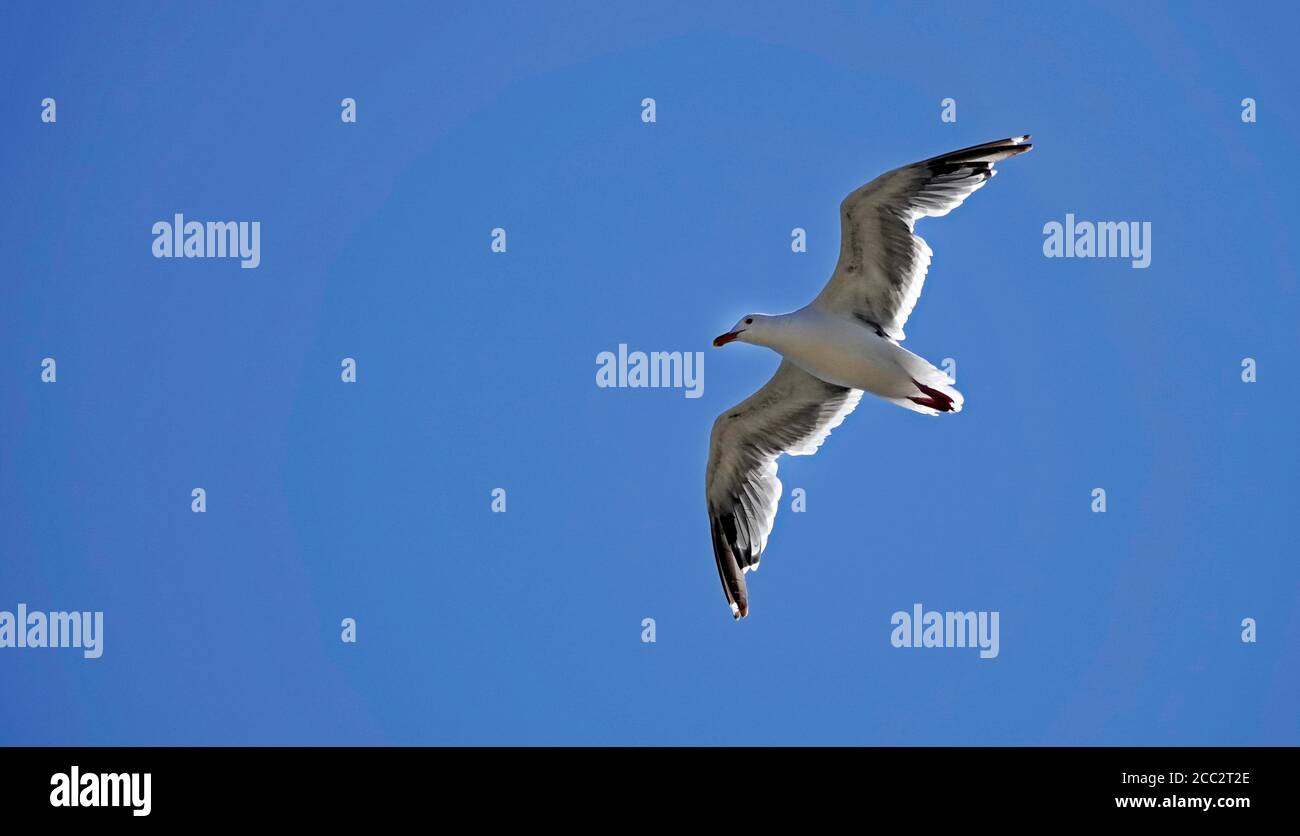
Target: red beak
720,341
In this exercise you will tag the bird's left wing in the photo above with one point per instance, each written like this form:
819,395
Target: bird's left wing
882,262
793,413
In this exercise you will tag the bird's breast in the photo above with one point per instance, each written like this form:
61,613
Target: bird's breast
845,353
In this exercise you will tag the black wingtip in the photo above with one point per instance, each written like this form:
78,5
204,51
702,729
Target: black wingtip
1021,145
729,571
986,152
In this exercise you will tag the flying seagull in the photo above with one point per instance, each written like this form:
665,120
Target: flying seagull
845,342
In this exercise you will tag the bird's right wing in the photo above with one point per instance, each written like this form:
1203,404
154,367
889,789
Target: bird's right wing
882,262
793,413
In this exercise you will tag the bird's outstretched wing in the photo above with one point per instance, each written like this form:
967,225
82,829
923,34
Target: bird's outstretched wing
882,263
793,413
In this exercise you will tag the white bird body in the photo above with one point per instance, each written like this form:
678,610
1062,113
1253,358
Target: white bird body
843,343
842,350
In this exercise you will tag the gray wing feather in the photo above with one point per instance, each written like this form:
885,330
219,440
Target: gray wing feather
882,264
793,413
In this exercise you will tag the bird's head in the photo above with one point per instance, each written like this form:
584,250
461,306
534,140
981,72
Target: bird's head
750,329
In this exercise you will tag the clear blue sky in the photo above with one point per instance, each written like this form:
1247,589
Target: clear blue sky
477,370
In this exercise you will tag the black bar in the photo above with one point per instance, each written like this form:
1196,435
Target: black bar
337,784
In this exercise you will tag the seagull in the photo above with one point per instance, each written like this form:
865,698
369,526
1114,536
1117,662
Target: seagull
845,342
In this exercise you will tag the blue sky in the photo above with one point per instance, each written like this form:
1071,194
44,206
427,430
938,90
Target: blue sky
476,370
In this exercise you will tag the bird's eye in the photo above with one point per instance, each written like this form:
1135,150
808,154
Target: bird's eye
749,321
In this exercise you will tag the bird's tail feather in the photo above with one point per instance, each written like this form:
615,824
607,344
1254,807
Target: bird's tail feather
935,392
